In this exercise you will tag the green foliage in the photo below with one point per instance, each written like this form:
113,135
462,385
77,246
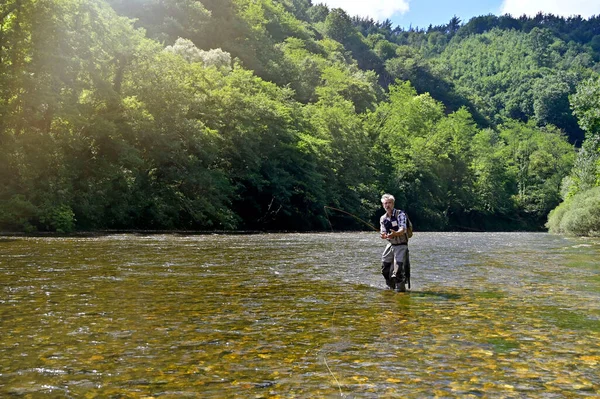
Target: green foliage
215,57
551,101
585,173
16,214
430,155
514,75
537,159
352,84
338,140
243,114
338,25
306,67
493,186
578,215
586,106
58,218
318,13
166,20
385,50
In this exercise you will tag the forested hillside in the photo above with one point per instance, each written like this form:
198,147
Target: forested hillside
256,114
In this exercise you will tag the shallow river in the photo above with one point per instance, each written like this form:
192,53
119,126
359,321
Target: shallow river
298,316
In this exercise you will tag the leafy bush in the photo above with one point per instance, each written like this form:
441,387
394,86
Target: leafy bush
16,213
58,218
579,215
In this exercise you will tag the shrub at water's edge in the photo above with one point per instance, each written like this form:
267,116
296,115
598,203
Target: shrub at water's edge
579,215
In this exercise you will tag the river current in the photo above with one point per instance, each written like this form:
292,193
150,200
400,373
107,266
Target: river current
492,315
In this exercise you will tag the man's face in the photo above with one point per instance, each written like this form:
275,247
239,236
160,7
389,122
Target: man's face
388,205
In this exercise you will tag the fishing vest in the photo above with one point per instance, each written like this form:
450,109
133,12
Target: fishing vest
389,225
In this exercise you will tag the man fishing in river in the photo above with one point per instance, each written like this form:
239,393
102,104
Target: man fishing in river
395,255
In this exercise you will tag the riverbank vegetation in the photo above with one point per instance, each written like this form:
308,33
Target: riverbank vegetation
579,213
239,114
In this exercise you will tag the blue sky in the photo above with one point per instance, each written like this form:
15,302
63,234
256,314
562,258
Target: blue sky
422,13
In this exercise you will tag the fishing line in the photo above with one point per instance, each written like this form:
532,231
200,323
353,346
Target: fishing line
325,359
347,213
333,316
333,375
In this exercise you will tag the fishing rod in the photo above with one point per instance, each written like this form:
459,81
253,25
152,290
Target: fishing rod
347,213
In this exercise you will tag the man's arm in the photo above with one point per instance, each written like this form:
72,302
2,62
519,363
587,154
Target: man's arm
382,228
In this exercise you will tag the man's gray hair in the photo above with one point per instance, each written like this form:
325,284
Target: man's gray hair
386,197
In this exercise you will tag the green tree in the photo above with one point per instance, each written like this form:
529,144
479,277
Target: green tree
509,74
341,143
166,20
68,70
537,159
586,106
260,153
429,156
354,85
318,13
551,102
493,186
338,25
586,169
307,61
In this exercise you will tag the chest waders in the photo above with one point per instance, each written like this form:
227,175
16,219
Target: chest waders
395,266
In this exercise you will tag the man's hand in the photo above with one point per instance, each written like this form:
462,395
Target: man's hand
393,234
386,236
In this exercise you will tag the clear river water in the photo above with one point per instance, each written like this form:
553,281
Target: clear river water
489,315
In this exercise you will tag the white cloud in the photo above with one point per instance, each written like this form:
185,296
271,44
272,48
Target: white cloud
564,8
379,10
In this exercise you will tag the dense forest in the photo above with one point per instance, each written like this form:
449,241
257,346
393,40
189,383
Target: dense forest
258,114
